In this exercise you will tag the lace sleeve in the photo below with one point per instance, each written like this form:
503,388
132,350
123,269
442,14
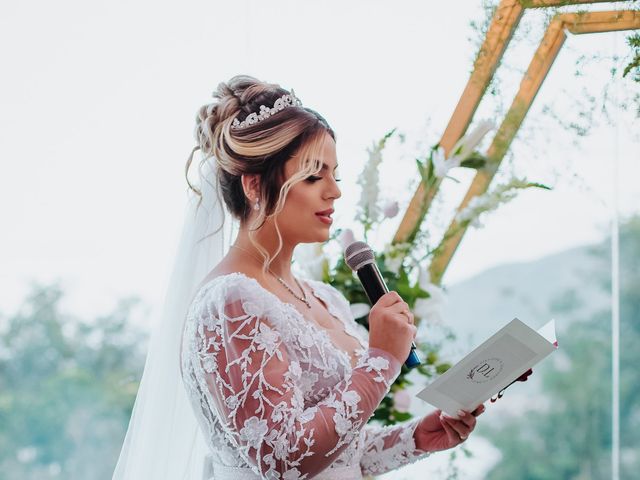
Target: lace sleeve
251,385
390,447
386,448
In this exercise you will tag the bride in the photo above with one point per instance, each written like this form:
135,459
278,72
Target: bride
268,375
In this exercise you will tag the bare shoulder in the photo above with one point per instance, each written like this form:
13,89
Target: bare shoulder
227,267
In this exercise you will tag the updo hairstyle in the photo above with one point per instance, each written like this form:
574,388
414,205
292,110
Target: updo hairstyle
262,148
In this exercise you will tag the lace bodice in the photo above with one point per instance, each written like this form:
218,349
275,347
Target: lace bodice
273,393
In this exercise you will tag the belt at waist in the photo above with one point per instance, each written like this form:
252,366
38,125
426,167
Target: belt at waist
223,472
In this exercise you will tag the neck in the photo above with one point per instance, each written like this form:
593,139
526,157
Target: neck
281,265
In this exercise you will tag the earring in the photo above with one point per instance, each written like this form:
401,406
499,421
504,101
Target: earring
257,205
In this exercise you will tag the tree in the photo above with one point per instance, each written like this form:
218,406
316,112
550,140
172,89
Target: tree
66,389
571,437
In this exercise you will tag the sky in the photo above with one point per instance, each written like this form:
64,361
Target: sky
98,102
98,106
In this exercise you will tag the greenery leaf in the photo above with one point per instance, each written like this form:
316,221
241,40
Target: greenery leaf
475,160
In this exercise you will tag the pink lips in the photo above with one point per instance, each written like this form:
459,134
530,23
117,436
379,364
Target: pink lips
326,212
324,216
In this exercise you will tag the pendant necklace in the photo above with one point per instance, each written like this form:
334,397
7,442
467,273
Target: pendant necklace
282,282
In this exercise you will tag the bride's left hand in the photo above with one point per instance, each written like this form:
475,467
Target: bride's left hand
438,431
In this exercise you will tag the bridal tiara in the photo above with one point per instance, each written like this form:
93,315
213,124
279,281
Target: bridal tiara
287,100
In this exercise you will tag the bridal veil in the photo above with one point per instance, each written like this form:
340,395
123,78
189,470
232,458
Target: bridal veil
163,440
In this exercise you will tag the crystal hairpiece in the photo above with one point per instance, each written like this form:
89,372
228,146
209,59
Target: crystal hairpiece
287,100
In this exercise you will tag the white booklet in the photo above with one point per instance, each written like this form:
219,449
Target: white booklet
491,367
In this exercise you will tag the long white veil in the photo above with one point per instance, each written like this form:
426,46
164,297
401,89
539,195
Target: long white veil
163,440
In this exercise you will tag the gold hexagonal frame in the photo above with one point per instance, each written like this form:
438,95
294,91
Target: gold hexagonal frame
504,22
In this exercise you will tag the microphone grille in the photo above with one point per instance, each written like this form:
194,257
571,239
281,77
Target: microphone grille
357,255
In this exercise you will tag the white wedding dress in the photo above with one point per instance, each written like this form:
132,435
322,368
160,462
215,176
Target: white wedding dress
273,395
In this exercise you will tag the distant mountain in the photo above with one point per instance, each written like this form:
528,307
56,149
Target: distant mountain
560,286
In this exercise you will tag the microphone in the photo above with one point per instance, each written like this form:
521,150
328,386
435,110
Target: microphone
360,258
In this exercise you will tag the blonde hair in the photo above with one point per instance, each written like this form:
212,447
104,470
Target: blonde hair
262,148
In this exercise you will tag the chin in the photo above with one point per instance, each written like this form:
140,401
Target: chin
321,237
318,239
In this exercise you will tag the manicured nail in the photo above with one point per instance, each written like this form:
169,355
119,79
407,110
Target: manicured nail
461,413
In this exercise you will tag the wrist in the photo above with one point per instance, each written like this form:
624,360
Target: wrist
393,360
418,439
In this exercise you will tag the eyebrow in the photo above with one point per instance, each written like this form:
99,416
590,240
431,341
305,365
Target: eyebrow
326,167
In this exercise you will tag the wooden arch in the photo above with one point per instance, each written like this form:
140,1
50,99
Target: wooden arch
504,22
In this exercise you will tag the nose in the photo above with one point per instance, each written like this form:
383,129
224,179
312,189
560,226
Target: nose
334,191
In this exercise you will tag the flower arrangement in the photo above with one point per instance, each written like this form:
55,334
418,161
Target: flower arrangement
399,263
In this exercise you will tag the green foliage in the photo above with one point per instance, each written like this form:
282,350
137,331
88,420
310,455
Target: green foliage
342,277
476,160
571,438
66,389
398,263
634,65
583,117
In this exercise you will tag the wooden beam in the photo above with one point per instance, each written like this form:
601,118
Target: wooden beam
534,77
598,22
503,24
529,87
560,3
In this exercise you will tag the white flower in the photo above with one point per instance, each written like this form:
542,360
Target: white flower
402,400
422,308
342,424
429,309
209,363
232,402
294,369
293,474
461,150
440,164
308,414
471,213
280,447
359,310
297,400
252,308
368,181
467,144
489,201
394,255
253,431
346,238
378,363
310,260
305,339
390,209
351,398
272,473
393,264
277,412
308,381
267,339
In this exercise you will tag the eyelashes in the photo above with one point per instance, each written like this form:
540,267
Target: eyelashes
314,178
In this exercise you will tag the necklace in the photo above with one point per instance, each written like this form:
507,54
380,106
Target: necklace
282,282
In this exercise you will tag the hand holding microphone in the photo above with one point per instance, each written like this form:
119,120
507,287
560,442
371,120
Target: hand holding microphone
391,325
391,328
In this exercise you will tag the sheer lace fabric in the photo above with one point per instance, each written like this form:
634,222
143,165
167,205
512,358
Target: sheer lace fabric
275,396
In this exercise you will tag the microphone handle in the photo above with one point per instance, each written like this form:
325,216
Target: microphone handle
375,287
